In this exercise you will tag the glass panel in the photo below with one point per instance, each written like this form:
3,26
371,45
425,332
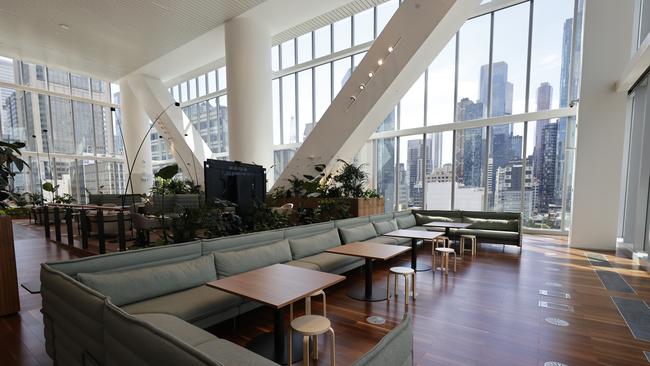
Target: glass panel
385,11
470,169
61,132
222,126
305,107
107,179
322,41
364,26
33,75
88,179
80,85
509,60
570,171
66,177
202,85
281,159
505,167
439,170
356,59
202,121
58,81
12,115
473,57
100,113
31,129
212,81
550,61
183,87
191,84
342,34
386,157
342,72
410,169
222,78
440,83
118,139
100,90
83,122
288,50
7,70
277,130
275,58
322,89
411,107
289,109
304,47
176,94
115,93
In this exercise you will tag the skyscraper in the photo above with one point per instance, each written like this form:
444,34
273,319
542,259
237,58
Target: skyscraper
502,89
415,160
565,76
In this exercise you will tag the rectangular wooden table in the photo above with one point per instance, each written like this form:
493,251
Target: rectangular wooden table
415,235
276,286
369,251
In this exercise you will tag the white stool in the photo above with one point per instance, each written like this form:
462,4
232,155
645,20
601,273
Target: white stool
308,326
472,240
401,271
445,259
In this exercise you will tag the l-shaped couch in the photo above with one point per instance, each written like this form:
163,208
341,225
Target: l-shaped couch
148,306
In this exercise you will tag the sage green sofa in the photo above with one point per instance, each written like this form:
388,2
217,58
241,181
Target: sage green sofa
170,280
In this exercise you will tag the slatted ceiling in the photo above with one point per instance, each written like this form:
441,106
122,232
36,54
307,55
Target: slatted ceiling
325,19
108,38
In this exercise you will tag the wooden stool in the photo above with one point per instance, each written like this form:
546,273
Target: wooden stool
439,241
308,312
445,259
472,239
401,271
308,326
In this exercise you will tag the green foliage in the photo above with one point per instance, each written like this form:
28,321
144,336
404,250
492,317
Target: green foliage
10,164
331,209
54,189
264,218
222,220
173,186
35,198
185,224
350,179
167,172
17,211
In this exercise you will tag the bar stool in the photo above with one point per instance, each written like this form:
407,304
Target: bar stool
308,326
401,271
307,312
445,259
472,240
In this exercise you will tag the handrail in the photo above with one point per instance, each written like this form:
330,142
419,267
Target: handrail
90,207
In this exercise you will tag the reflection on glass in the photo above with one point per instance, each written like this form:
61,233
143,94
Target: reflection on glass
61,131
275,88
212,81
342,72
201,84
385,11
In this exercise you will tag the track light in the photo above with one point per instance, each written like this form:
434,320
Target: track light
370,74
361,86
353,98
380,62
390,49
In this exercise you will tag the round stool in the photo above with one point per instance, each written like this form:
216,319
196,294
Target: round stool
472,240
439,241
445,259
401,271
308,326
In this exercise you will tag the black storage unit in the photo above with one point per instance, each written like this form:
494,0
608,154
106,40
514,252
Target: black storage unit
234,181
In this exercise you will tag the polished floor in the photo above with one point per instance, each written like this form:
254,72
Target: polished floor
487,313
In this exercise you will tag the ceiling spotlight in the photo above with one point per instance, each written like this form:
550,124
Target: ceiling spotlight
353,98
380,62
361,86
370,74
390,49
64,26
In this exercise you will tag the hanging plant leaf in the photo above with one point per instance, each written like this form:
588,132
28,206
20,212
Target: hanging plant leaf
48,187
168,172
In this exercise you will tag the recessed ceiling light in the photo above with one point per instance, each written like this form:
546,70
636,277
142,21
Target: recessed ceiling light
64,26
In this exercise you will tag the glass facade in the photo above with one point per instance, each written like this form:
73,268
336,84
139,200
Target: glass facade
73,142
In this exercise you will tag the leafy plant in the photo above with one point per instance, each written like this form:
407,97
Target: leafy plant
351,180
331,209
10,164
222,219
186,223
35,198
264,218
54,189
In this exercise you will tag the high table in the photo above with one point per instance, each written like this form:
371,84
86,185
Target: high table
277,286
369,251
415,235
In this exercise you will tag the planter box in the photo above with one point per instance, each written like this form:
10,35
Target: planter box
9,301
358,206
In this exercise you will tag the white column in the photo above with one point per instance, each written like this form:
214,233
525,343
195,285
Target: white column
606,50
250,109
135,124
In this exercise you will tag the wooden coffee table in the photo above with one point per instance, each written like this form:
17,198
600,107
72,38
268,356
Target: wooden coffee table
277,286
369,251
415,235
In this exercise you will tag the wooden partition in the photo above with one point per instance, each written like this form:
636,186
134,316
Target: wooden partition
9,301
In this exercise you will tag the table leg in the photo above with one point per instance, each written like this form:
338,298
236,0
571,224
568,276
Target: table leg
414,258
273,346
278,335
367,293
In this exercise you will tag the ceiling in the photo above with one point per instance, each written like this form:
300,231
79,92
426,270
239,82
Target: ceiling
107,38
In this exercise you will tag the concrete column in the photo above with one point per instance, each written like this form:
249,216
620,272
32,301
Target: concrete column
250,108
602,117
135,124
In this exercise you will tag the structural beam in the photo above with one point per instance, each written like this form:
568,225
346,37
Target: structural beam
411,40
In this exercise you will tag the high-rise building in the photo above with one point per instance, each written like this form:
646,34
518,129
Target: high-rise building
502,89
565,75
415,160
546,178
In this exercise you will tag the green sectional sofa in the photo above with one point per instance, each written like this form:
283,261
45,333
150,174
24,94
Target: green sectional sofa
112,309
488,227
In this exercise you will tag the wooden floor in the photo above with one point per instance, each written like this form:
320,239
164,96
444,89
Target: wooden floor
487,313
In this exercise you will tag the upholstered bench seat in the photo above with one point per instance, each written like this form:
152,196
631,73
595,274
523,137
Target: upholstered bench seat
191,305
486,234
305,265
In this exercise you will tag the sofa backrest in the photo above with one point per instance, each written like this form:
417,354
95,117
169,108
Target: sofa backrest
395,349
73,317
314,244
501,221
240,261
131,341
422,217
383,217
133,285
239,242
350,234
303,231
131,259
354,221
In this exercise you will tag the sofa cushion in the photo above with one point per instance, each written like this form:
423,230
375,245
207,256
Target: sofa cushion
229,354
240,261
357,233
421,219
405,222
311,245
384,227
129,286
179,328
487,234
190,305
492,224
330,262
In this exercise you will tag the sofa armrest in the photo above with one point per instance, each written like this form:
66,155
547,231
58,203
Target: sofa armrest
396,348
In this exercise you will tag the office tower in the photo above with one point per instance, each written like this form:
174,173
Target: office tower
565,76
548,166
502,89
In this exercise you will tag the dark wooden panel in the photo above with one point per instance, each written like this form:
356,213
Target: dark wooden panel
9,301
